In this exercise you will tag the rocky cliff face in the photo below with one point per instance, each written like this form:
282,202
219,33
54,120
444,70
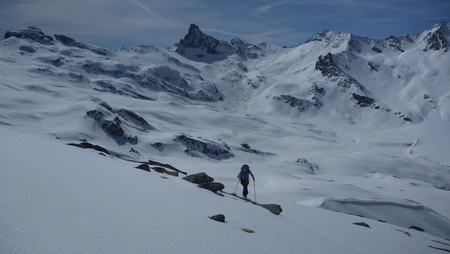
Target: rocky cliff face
437,38
198,46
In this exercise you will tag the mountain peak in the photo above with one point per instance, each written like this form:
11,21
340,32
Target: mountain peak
436,38
194,30
195,38
196,46
327,35
32,33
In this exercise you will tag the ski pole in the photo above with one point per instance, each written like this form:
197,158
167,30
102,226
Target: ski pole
236,186
254,188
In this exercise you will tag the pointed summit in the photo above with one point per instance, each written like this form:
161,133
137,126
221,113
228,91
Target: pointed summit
198,46
437,37
194,30
198,40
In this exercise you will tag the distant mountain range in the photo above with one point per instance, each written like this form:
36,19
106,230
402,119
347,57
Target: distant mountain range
401,78
346,78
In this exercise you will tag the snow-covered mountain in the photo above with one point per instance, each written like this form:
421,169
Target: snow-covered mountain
340,122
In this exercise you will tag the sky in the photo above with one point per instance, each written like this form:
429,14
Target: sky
162,23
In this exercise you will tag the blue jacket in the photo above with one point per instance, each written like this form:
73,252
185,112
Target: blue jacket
245,174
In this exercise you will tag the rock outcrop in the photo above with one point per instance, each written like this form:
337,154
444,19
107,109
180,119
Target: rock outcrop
209,148
218,217
273,208
204,181
32,33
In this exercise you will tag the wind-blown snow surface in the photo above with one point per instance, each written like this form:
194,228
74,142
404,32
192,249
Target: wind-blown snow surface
60,199
350,136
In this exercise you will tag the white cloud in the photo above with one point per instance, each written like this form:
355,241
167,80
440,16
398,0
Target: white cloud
150,12
267,7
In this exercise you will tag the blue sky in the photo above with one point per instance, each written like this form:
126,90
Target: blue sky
129,23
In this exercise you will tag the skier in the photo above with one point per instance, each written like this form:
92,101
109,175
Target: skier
244,177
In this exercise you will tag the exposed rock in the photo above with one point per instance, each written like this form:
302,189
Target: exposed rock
172,173
135,118
328,68
395,43
417,228
362,100
150,162
70,42
28,48
373,66
212,186
198,46
312,167
112,127
115,122
198,40
198,178
435,39
354,44
157,144
321,36
159,169
363,224
33,33
204,181
273,208
218,217
301,104
377,50
246,148
87,145
144,166
209,148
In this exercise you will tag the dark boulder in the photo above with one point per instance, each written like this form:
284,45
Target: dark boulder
212,186
417,228
218,217
198,178
144,166
363,224
204,181
273,208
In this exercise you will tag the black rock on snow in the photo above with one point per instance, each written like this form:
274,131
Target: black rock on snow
204,181
32,33
209,148
218,217
201,177
273,208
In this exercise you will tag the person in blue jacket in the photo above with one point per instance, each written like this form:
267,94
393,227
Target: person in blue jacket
244,177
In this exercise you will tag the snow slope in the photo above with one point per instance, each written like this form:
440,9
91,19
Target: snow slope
337,130
61,199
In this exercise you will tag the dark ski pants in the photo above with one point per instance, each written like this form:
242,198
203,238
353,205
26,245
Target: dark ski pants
244,183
